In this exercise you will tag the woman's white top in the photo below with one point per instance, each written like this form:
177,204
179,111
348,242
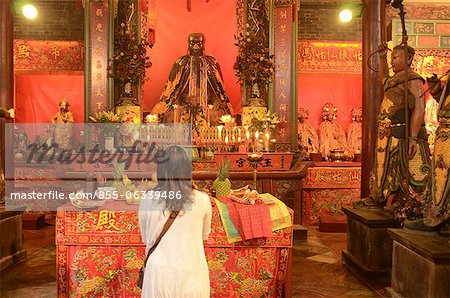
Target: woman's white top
177,267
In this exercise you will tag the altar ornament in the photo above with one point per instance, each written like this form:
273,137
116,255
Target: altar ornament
151,118
254,65
222,184
254,160
338,155
130,59
331,134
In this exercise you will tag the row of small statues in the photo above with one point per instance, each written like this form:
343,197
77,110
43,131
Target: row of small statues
330,135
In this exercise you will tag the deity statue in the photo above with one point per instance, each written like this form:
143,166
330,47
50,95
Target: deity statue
354,134
194,76
21,140
390,183
331,134
63,120
436,212
308,140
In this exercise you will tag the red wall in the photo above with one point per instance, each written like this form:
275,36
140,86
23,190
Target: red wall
317,89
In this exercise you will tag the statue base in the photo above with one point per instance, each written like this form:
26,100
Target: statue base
369,247
420,265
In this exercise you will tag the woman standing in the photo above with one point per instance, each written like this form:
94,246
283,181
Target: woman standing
177,267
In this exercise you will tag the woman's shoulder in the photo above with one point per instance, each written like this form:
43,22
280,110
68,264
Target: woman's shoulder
201,197
200,194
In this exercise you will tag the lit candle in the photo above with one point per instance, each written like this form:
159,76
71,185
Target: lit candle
256,141
219,128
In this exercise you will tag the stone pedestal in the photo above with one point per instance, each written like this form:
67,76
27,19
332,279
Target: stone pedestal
420,265
369,247
11,250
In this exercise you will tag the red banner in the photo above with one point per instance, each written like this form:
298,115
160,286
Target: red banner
346,57
329,56
48,55
98,52
283,75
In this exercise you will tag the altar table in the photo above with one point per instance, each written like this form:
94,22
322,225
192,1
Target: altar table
327,187
99,254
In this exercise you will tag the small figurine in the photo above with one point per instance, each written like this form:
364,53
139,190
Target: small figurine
331,134
354,135
21,141
308,140
63,120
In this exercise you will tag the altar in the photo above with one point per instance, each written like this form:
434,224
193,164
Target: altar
99,254
327,187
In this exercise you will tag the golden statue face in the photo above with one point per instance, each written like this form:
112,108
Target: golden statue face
196,44
64,104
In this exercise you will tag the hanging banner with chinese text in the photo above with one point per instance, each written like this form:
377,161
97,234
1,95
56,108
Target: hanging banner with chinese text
346,57
98,51
329,56
283,74
48,55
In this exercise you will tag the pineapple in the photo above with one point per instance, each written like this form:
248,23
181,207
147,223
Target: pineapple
222,184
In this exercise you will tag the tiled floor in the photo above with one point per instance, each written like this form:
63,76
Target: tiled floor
317,268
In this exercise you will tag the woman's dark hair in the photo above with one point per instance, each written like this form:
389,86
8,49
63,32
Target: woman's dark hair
175,177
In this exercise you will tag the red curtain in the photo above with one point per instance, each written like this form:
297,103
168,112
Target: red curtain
216,19
317,89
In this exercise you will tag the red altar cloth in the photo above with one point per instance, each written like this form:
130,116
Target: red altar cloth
329,186
97,257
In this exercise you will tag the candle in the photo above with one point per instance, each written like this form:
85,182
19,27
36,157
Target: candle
208,114
219,128
255,146
266,142
175,113
226,143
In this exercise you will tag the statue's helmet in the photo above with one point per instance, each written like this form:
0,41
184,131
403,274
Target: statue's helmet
63,103
302,114
329,111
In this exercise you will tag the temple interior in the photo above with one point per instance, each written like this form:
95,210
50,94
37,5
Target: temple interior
319,131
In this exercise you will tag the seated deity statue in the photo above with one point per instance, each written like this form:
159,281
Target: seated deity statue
63,120
354,134
308,140
402,164
436,212
194,76
331,134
